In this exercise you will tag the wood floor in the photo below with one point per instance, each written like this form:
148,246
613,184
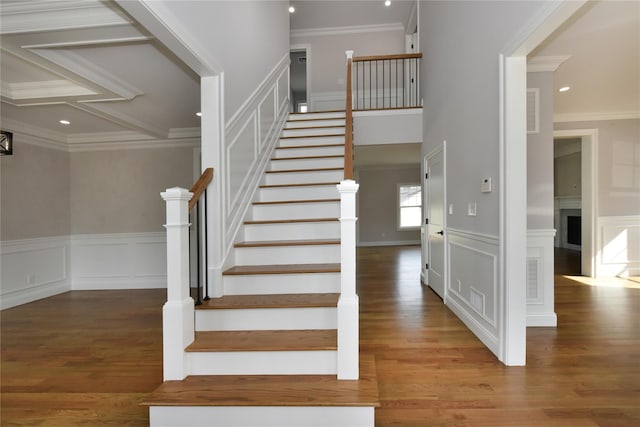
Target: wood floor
88,358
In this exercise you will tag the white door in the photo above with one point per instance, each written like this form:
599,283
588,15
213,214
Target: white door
436,222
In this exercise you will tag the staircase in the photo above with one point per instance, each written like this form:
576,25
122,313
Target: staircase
266,353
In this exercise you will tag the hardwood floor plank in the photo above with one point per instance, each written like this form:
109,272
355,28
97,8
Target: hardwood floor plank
89,357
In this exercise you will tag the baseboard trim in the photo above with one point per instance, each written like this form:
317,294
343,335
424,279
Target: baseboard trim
542,320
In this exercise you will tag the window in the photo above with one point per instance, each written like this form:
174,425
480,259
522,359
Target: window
409,206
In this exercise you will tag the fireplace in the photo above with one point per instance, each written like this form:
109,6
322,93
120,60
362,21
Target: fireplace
571,229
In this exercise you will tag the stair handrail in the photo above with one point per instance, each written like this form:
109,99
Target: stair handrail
200,186
348,128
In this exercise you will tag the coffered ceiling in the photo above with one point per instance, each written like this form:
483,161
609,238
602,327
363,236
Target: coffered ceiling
91,65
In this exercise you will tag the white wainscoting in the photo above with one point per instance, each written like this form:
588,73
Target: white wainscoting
250,136
472,289
119,261
618,246
540,286
32,269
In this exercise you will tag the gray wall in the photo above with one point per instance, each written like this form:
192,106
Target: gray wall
47,192
618,160
34,193
247,38
328,60
461,43
377,204
119,191
540,157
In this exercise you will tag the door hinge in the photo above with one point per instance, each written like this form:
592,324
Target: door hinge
426,220
426,266
426,176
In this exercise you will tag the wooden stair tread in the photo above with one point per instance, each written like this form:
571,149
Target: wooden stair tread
278,340
333,156
325,135
291,221
317,118
306,170
271,390
281,202
316,112
310,146
310,184
283,269
271,301
263,243
316,127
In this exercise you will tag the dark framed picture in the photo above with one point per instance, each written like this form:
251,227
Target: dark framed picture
6,143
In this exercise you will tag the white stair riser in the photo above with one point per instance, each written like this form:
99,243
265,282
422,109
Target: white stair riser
277,255
267,319
264,284
296,211
313,131
282,153
292,231
310,123
266,416
319,115
310,192
321,362
310,163
318,140
333,175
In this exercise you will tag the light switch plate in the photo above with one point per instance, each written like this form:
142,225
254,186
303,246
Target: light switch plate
472,209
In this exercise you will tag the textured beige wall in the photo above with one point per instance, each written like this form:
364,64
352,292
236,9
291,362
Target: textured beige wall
34,192
119,191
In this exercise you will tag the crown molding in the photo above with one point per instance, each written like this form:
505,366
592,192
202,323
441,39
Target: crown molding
105,137
184,133
26,17
44,89
595,117
35,135
538,64
135,145
332,31
88,70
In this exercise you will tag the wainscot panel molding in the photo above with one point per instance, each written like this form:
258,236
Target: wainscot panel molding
249,139
540,285
33,269
618,246
119,261
472,288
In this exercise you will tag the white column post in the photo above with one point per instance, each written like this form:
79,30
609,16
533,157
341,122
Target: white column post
348,319
178,312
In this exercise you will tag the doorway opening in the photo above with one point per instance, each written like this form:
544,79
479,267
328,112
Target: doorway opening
298,78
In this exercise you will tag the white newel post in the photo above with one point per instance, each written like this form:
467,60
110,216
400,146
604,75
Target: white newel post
178,311
348,319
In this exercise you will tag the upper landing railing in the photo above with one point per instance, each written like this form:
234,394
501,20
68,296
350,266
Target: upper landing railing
382,82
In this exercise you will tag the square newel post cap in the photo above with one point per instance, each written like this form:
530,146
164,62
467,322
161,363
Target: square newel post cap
349,54
176,193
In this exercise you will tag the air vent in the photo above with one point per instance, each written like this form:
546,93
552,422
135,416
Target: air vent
302,60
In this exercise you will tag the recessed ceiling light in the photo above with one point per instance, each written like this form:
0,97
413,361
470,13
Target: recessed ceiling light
564,89
292,9
387,3
199,114
65,122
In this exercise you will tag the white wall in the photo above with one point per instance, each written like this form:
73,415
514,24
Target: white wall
461,43
327,65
